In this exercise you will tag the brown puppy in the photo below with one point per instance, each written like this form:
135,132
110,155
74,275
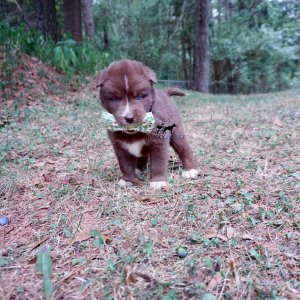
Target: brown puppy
126,91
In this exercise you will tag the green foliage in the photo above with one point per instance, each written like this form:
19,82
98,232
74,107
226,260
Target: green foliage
14,41
209,296
64,55
254,45
170,296
98,241
15,38
44,265
79,58
68,56
148,247
150,37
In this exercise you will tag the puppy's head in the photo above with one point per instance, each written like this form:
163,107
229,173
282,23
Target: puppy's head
126,90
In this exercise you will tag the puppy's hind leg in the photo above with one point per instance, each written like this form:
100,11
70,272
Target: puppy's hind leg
183,149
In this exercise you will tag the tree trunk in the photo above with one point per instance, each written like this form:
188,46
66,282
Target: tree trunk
72,19
88,17
46,18
202,46
105,38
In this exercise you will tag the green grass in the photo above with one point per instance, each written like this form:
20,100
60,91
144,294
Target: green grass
239,221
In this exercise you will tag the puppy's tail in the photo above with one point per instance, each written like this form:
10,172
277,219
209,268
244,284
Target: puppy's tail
174,92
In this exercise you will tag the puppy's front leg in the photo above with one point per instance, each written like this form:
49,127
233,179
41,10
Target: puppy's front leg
158,164
127,163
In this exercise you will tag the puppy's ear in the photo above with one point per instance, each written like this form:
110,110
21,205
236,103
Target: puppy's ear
149,73
101,77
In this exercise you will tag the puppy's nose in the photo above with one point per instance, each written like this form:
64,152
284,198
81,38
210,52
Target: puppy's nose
129,118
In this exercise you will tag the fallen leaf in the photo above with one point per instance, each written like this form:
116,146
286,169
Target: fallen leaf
85,235
216,235
230,231
66,143
81,236
277,121
42,163
133,277
39,242
146,199
47,177
32,261
247,236
45,206
217,279
272,247
166,188
144,276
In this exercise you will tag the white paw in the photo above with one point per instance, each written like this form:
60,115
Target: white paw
192,173
138,172
123,183
157,184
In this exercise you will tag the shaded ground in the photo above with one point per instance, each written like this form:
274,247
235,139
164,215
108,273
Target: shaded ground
239,220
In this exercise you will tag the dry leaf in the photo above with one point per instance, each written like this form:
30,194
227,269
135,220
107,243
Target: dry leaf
85,235
217,279
47,177
144,276
166,188
32,261
277,121
146,199
230,231
130,276
272,247
81,236
45,206
39,242
216,235
133,277
247,236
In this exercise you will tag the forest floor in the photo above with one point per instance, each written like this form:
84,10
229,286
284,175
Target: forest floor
238,222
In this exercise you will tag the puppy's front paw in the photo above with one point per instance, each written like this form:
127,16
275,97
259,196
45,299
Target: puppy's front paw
157,184
138,172
192,173
124,183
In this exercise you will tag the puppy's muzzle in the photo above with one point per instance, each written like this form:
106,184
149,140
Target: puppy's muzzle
129,118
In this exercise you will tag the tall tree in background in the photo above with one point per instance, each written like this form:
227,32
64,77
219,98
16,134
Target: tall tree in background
88,17
46,18
72,18
202,46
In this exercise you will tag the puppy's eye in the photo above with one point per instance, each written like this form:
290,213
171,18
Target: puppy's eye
115,99
139,97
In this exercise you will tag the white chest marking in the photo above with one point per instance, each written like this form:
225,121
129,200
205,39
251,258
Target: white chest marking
134,148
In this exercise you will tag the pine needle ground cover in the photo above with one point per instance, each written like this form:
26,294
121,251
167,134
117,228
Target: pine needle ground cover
234,233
